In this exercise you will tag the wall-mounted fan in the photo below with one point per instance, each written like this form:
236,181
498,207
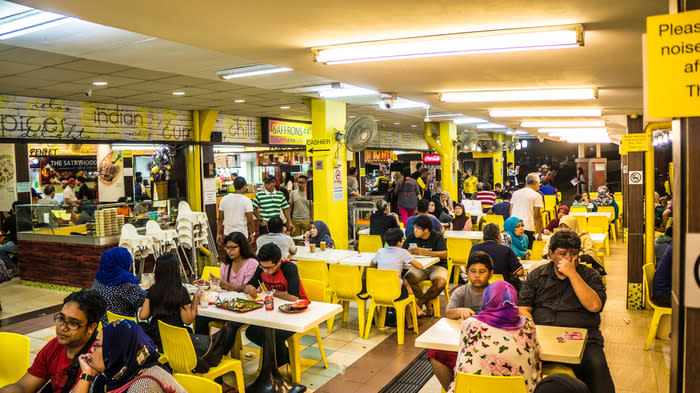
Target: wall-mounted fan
490,146
359,133
509,146
467,142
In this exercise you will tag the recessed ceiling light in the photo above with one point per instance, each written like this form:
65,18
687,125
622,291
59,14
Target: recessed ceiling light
588,112
239,101
556,94
285,107
397,123
100,83
178,93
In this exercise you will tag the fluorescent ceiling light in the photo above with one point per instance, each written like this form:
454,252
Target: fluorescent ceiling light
489,126
579,123
352,117
228,149
97,83
29,21
285,107
251,70
402,103
397,123
445,114
346,91
413,126
519,132
590,112
469,120
548,37
178,93
520,95
239,101
587,140
573,130
127,146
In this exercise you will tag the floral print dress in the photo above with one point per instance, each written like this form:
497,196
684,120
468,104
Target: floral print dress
487,350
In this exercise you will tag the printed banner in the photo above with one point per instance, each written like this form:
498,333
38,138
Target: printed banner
398,140
43,118
8,176
110,174
55,169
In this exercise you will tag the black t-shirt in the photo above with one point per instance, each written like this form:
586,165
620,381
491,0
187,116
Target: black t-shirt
171,317
288,281
84,191
379,223
504,260
434,243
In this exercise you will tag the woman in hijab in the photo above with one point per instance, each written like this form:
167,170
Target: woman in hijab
117,284
561,212
605,199
126,360
319,233
514,236
499,341
436,212
461,222
587,248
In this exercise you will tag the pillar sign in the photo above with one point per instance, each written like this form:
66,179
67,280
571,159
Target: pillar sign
673,65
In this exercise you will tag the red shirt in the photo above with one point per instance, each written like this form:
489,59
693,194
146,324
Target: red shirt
487,198
52,363
285,280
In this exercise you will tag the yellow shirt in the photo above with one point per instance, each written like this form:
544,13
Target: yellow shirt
469,186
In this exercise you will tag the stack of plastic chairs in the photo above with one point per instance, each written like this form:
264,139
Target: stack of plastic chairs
139,246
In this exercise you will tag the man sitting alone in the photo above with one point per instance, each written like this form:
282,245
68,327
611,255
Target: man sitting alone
425,241
283,241
565,293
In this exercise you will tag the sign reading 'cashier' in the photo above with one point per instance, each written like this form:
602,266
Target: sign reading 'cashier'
285,132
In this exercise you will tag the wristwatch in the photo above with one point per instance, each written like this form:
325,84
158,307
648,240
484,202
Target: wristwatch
87,377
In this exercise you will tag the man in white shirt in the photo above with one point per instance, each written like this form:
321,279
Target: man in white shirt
283,241
527,204
236,213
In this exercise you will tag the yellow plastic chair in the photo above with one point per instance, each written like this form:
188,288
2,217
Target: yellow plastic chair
182,358
370,243
592,196
457,255
578,209
496,277
472,383
582,223
346,282
537,249
14,358
611,210
315,290
599,224
648,271
317,270
425,285
111,317
383,287
194,384
550,206
492,219
556,368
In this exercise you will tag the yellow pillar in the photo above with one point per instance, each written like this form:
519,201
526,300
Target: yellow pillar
328,117
497,162
203,124
448,157
649,182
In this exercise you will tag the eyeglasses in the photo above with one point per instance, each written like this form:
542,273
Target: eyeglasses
231,248
271,267
71,323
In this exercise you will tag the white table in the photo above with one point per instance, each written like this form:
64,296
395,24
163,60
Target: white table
596,237
444,335
471,235
330,255
532,265
593,214
270,379
364,259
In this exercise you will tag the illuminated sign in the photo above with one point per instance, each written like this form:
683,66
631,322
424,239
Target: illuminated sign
285,132
431,158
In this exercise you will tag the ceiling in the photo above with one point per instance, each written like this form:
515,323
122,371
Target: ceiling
163,47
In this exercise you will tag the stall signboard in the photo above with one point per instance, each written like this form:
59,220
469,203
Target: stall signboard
8,176
51,119
58,149
379,156
431,159
238,129
57,168
285,132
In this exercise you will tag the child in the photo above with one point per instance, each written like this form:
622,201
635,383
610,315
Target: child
503,207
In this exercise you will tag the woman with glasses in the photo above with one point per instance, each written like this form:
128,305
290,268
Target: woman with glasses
117,284
514,236
239,263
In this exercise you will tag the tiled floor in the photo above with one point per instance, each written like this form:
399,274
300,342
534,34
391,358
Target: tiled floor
368,365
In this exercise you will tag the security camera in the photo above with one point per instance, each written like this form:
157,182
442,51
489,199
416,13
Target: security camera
388,99
88,92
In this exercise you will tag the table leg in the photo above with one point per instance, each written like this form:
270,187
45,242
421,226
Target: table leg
270,379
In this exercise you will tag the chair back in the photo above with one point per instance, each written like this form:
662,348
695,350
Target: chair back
14,358
597,224
152,228
383,286
648,272
370,243
582,222
345,280
496,277
537,249
592,195
129,230
578,209
472,383
178,347
550,202
112,317
492,219
195,384
458,249
315,290
607,209
315,270
214,270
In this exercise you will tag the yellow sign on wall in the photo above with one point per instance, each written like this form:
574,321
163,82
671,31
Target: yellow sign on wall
634,142
673,65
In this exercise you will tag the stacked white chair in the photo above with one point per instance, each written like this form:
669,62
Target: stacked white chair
139,246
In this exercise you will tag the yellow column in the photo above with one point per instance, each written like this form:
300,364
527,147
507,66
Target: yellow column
497,162
203,123
448,156
649,181
328,117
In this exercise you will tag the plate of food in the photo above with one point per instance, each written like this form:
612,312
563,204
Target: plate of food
296,307
110,167
239,305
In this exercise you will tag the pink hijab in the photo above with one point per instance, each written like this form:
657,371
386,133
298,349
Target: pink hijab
500,308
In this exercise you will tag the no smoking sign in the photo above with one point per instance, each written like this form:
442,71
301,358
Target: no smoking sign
636,177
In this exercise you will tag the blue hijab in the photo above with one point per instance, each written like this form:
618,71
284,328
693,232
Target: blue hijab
114,267
126,349
517,243
324,235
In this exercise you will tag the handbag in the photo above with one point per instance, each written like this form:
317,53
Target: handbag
221,342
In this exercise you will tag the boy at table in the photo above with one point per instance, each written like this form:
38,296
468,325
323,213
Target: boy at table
465,301
425,241
565,293
282,277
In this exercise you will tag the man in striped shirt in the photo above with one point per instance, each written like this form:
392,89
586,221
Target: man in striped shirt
269,203
486,197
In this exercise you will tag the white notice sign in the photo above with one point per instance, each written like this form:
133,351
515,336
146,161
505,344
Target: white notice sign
338,190
209,190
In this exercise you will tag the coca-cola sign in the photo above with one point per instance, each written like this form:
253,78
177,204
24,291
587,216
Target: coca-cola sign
431,159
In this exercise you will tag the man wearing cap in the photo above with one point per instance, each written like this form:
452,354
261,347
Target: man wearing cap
68,193
270,203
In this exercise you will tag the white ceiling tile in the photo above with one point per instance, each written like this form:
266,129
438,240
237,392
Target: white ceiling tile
8,67
138,73
29,56
93,66
56,74
20,82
